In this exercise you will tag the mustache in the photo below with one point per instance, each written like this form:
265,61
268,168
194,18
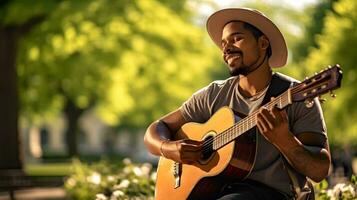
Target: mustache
230,52
233,52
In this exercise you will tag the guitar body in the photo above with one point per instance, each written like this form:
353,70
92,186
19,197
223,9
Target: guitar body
206,178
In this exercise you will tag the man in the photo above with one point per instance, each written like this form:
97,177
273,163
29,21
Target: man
251,45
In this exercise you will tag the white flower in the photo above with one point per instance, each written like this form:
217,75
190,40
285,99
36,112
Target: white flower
118,193
146,168
329,193
348,189
124,184
137,171
337,189
95,178
341,189
111,178
71,182
100,197
135,180
127,161
339,186
127,170
153,176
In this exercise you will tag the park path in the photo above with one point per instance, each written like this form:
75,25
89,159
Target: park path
53,193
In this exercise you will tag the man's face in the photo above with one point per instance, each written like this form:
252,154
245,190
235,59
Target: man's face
240,48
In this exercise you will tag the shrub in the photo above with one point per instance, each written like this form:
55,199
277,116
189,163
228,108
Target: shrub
341,191
104,181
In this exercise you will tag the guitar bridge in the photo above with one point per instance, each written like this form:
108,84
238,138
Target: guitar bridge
177,174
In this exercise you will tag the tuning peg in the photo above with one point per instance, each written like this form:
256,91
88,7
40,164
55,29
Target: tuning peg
309,103
333,95
322,100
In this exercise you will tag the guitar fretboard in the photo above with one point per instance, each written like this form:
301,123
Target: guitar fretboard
248,122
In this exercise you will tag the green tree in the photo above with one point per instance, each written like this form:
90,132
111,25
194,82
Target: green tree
17,18
131,62
314,21
334,46
172,65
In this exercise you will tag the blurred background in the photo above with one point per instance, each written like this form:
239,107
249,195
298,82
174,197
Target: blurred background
81,80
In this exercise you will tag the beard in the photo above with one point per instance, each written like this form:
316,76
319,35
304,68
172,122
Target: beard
242,70
237,70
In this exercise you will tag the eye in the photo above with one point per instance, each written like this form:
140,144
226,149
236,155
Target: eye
237,38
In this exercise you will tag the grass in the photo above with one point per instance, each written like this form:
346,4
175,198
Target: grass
48,169
59,165
64,168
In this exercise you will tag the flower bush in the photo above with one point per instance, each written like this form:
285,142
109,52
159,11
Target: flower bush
341,191
103,181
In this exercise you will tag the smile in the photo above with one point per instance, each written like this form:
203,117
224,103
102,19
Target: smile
233,56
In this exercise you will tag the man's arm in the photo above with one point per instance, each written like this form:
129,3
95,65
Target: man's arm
308,153
159,139
163,130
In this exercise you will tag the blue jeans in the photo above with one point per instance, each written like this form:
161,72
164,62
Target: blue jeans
251,190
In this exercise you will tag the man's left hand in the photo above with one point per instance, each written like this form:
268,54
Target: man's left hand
273,125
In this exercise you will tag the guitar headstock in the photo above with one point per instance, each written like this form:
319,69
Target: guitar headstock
321,83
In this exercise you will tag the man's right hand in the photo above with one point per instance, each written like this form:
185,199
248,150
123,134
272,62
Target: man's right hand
183,151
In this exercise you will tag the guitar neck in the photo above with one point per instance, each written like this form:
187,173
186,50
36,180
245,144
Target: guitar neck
250,121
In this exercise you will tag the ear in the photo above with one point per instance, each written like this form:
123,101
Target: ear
263,42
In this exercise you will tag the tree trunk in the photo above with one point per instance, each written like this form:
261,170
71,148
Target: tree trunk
10,153
72,113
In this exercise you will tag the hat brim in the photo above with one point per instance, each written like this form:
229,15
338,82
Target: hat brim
219,19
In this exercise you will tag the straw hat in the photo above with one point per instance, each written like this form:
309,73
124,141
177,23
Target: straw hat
219,19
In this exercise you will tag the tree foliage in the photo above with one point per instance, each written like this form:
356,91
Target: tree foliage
314,22
17,18
133,60
334,46
17,12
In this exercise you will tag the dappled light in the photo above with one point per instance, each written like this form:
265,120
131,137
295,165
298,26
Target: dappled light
80,81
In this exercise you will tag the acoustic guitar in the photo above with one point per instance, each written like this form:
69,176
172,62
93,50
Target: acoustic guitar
223,139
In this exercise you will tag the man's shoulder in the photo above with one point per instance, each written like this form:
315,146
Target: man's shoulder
221,83
285,77
216,86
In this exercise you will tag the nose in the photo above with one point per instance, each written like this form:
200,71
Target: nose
227,48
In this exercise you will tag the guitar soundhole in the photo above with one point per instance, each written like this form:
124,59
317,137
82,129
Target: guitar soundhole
207,151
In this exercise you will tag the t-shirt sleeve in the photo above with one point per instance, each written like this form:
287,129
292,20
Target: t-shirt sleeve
304,119
196,108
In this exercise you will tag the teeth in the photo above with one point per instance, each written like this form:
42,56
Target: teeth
235,56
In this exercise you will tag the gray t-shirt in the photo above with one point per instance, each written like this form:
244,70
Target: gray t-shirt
268,166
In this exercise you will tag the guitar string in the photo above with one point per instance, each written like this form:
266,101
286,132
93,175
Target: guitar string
225,136
282,99
241,123
222,138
